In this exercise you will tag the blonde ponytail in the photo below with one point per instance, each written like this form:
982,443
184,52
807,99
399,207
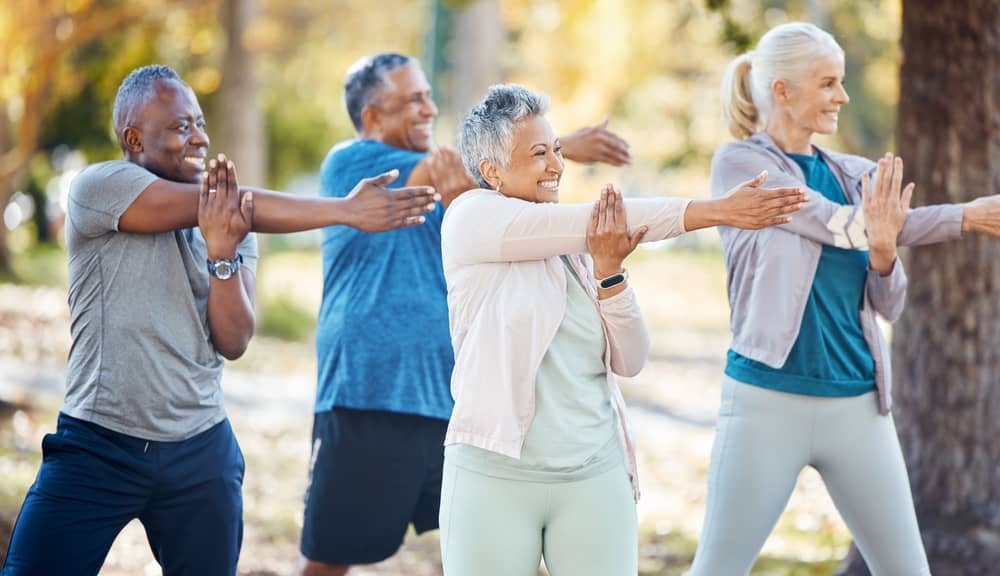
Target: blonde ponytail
786,52
738,109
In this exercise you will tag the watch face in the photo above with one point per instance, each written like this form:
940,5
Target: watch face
223,270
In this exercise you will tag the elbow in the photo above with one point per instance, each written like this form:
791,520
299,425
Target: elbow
233,351
233,348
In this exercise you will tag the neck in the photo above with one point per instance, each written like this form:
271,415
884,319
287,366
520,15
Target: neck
791,139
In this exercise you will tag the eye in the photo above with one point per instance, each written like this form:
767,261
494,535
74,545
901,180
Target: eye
558,149
200,124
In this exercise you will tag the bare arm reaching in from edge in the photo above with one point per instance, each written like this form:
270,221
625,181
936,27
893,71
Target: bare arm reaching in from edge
166,205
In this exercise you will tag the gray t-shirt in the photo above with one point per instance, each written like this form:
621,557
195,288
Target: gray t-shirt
142,362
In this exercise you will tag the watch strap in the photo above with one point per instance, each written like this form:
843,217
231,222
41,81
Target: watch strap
613,280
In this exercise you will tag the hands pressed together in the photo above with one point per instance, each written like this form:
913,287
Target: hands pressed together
608,238
225,216
885,203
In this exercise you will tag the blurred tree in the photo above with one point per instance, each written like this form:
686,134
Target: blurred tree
946,349
239,118
36,39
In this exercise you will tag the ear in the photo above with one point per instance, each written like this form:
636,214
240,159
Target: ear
132,140
369,118
781,91
491,173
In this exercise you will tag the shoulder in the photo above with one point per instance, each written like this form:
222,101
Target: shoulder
468,206
851,165
112,175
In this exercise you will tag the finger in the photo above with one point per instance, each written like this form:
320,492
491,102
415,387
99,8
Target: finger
907,196
897,178
637,237
416,192
621,221
413,220
203,195
769,195
777,221
604,125
882,181
757,180
602,217
246,208
383,179
612,216
592,225
212,179
232,189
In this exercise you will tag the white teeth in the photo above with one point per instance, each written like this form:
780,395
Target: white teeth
550,184
196,161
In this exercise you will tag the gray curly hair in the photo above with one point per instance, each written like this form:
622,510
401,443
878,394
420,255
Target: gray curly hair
488,129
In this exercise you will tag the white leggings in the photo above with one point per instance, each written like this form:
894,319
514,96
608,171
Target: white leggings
763,440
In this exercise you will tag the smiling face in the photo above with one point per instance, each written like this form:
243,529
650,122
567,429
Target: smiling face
405,112
813,103
166,134
536,163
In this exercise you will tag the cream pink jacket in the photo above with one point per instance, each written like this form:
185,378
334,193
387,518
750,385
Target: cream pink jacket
507,297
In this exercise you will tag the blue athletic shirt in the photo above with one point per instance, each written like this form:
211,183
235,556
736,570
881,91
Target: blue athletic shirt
382,339
830,356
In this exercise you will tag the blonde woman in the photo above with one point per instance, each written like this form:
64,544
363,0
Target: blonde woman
807,378
538,459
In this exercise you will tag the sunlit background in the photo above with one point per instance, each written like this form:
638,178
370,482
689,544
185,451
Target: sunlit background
269,75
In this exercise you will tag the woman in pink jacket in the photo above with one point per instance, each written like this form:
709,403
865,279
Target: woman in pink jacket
539,460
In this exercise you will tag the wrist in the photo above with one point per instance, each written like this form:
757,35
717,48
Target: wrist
970,215
705,213
221,253
605,269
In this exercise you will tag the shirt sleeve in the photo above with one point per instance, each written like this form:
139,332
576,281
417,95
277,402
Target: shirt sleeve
247,249
101,193
484,226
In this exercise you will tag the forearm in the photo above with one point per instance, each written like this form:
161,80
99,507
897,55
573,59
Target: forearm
703,214
231,316
275,212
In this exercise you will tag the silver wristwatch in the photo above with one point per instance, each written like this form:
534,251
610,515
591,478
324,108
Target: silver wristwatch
224,268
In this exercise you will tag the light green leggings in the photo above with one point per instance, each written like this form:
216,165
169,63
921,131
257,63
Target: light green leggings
499,527
763,440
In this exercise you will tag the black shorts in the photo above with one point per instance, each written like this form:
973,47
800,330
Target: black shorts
371,474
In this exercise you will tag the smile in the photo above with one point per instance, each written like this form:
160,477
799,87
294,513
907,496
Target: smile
549,184
195,161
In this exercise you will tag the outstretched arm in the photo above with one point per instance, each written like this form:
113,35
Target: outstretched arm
596,144
166,205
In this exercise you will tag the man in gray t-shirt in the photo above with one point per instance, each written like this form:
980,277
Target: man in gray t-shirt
161,274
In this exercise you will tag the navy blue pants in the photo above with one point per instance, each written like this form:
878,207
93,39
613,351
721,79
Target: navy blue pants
92,482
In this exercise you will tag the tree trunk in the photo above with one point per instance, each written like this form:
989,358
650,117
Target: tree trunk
240,119
475,54
946,350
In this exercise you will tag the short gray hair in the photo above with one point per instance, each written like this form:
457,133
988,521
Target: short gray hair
366,78
135,89
488,130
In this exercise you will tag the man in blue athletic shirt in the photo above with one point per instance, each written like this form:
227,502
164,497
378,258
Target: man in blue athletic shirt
382,340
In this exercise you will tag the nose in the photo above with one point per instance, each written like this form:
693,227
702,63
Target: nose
842,96
199,137
556,163
429,108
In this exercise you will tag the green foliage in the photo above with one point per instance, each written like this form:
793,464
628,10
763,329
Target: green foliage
284,319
